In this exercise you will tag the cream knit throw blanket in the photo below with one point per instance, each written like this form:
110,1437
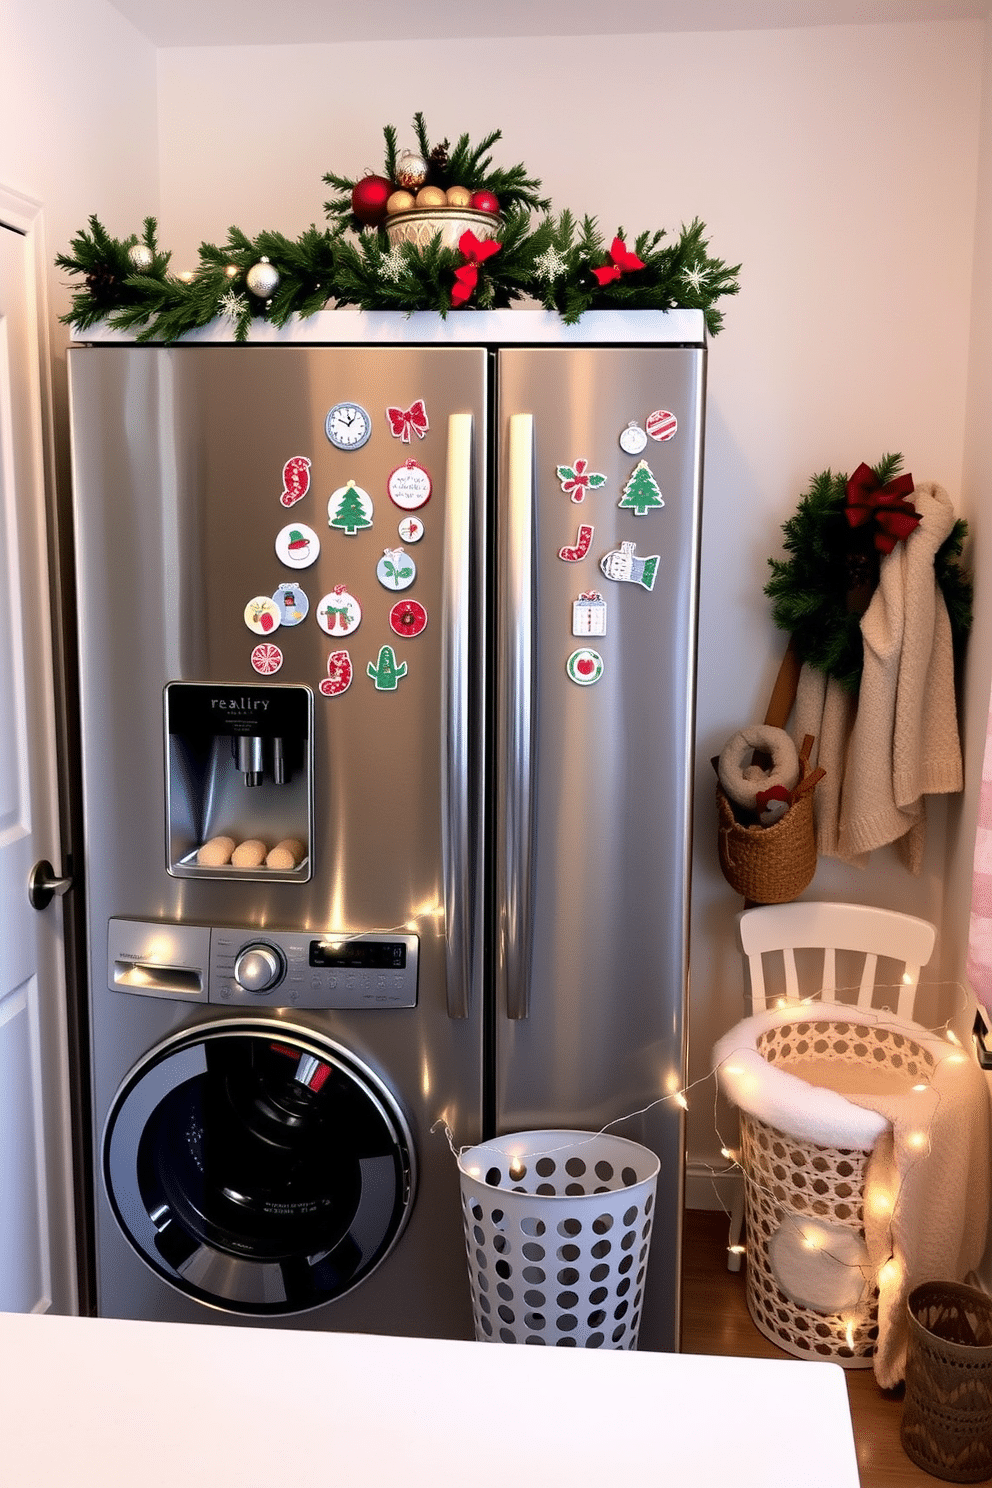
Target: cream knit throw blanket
897,742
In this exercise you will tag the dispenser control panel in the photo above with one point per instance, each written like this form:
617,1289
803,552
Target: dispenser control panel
262,968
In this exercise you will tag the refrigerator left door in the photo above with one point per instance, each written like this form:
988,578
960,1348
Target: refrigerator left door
277,551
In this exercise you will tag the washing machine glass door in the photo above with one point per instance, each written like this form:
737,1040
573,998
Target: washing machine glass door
257,1166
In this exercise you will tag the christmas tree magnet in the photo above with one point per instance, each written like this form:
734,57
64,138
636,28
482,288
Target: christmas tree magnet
266,659
385,673
621,565
409,486
589,614
262,614
582,543
406,421
349,509
297,547
577,479
411,529
395,569
293,604
295,480
584,666
339,612
339,674
641,493
662,425
407,618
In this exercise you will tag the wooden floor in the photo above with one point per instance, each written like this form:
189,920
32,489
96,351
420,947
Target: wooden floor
715,1320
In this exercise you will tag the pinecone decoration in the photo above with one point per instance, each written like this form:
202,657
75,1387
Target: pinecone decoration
438,159
101,282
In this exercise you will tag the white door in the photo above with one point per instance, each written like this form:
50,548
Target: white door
37,1271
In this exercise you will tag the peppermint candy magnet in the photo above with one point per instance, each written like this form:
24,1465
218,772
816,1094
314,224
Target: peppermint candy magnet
662,424
266,659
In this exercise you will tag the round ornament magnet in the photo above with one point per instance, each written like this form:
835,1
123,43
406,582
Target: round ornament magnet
407,618
633,439
409,485
297,546
262,615
339,612
395,569
662,424
292,604
339,674
348,426
584,666
411,529
349,509
266,659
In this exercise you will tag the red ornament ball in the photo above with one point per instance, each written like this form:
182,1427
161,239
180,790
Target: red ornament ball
484,201
369,197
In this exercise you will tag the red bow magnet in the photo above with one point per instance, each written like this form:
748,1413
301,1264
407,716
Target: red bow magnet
869,501
476,250
402,420
623,262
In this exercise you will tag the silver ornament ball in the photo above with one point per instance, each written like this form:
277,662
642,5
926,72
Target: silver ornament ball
141,256
262,279
411,170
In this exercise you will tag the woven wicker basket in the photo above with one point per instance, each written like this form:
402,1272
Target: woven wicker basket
791,1182
947,1418
772,865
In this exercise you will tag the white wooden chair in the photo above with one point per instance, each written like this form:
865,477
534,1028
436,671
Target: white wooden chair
809,951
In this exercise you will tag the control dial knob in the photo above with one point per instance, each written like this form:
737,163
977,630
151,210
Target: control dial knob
258,967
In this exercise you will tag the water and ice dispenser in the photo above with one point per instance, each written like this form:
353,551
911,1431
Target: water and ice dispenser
239,781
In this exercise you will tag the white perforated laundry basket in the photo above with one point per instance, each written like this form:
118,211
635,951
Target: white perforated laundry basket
557,1230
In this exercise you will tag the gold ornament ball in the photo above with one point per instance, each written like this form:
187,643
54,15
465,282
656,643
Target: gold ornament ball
400,201
431,196
458,196
411,170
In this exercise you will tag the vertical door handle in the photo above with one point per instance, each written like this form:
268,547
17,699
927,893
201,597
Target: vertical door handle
518,710
454,716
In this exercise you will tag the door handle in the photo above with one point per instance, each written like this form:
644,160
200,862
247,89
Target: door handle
454,717
519,705
44,884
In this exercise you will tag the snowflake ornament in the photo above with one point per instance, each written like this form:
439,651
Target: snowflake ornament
549,264
695,276
392,264
233,305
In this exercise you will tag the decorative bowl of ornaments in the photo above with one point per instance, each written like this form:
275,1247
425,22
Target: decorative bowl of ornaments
413,211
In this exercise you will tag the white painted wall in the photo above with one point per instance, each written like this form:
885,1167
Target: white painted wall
840,164
78,120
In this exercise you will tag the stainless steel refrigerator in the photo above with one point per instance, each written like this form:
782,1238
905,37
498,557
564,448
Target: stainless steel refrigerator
386,653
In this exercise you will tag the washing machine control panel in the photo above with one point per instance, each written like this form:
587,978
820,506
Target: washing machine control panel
262,968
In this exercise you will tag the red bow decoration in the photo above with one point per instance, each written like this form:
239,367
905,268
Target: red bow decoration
402,420
623,263
476,250
869,501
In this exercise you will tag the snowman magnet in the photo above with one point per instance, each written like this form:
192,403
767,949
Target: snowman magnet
292,603
297,546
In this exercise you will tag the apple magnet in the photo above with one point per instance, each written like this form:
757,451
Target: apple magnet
584,666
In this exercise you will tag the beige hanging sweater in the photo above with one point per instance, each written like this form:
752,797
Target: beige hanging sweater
898,740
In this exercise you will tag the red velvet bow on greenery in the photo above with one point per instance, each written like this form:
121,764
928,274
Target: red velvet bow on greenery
622,263
886,506
476,250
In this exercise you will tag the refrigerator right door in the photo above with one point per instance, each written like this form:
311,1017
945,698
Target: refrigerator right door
598,535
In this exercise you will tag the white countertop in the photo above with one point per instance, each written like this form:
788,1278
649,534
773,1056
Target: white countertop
97,1403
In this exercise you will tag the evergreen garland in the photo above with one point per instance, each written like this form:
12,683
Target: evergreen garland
551,262
820,593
